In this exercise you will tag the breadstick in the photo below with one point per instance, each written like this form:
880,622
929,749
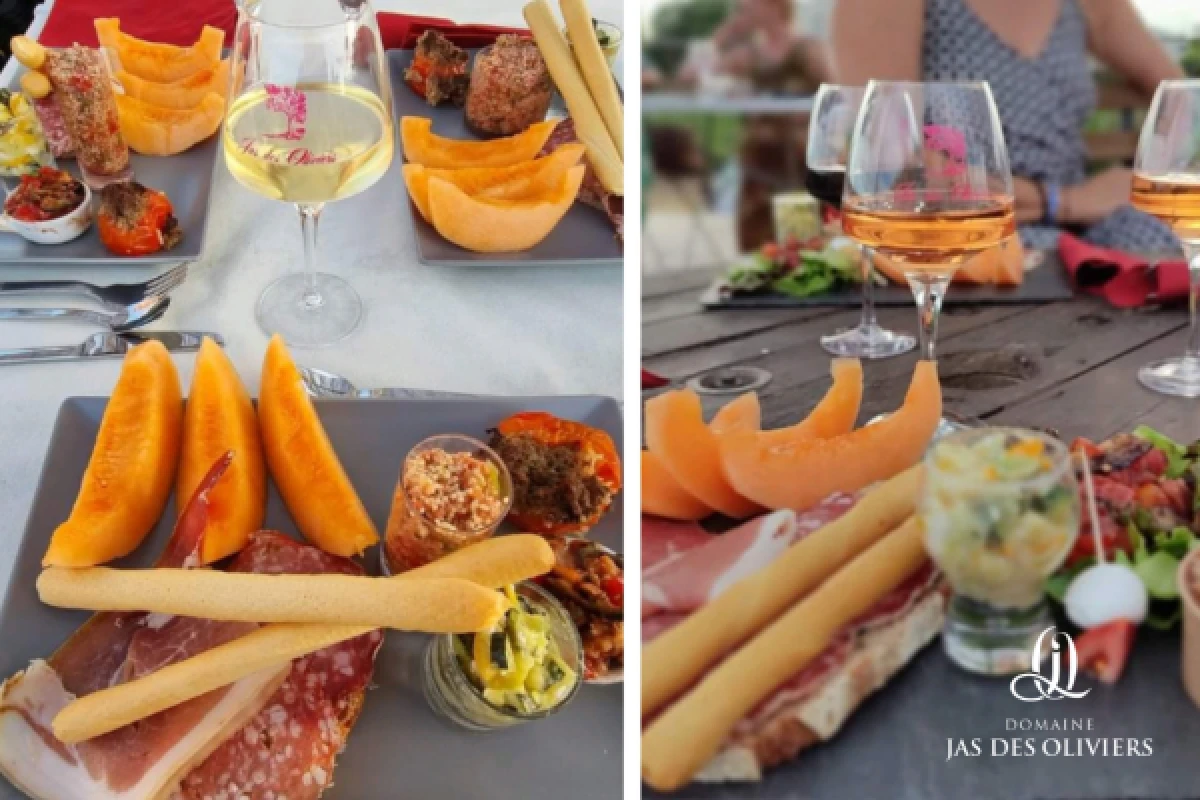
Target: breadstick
595,69
436,605
676,659
589,125
269,647
496,562
689,734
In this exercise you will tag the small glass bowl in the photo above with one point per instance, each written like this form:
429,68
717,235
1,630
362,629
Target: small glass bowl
451,693
413,539
610,50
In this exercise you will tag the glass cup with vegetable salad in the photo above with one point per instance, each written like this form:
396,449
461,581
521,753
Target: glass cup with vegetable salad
1001,511
528,667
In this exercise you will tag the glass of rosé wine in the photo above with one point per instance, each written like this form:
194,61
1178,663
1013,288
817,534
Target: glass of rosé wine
928,185
309,121
1166,184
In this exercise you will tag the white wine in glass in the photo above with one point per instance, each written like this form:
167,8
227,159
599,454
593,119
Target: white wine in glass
1166,184
309,122
928,184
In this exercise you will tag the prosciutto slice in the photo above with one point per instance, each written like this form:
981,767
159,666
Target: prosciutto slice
289,748
592,192
147,759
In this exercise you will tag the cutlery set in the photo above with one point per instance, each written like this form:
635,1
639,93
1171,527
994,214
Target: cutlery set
124,309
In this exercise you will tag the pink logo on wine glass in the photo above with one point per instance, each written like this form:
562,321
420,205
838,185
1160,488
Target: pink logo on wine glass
292,103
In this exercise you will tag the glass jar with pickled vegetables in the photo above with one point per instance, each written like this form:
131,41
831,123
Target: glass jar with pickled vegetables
1001,511
527,667
453,491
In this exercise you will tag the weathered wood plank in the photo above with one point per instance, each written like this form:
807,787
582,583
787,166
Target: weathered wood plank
803,337
698,330
670,306
671,282
989,368
1108,400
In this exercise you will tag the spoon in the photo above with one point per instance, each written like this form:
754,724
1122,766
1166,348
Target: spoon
127,319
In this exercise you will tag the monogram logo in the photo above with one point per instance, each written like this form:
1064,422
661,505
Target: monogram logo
1047,687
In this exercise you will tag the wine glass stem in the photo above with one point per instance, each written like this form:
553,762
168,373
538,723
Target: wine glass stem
1191,251
310,215
929,289
868,291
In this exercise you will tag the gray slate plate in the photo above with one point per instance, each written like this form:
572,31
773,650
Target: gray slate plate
399,748
584,236
1045,283
187,181
894,746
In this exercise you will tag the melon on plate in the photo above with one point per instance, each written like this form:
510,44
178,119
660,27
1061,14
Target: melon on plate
185,93
662,495
778,470
500,226
155,61
423,146
157,131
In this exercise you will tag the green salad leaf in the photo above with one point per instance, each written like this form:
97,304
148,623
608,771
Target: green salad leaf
1177,454
1157,571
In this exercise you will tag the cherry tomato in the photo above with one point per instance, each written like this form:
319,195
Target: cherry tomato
615,589
1104,650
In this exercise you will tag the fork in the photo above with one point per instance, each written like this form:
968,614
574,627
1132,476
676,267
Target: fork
114,297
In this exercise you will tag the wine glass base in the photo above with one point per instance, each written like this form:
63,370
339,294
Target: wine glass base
867,341
992,641
283,309
1174,376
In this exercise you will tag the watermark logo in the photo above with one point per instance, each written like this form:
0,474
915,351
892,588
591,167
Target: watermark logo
1048,687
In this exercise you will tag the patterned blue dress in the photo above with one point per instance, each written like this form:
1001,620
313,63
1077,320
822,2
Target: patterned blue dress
1043,103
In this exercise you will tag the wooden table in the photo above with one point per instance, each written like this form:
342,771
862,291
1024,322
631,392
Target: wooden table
1071,365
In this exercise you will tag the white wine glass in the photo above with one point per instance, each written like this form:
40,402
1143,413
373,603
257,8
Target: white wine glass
1166,184
830,127
928,184
309,121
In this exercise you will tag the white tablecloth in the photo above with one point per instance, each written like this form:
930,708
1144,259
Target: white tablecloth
487,330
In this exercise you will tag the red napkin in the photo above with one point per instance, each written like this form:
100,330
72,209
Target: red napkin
72,21
651,380
1124,280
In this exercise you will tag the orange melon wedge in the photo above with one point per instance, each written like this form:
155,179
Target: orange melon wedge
128,479
677,436
156,131
519,182
154,61
663,497
742,413
303,463
423,146
1002,265
185,93
217,419
777,470
838,409
500,226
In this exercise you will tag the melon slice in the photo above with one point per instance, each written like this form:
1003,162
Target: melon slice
500,226
783,472
742,413
128,478
677,436
519,182
423,146
156,131
185,93
154,61
220,418
838,409
662,496
1002,265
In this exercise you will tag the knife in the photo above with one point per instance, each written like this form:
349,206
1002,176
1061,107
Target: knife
102,345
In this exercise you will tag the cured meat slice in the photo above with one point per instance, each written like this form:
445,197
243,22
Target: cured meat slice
591,192
290,747
145,760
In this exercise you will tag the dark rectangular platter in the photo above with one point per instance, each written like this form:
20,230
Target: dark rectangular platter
399,747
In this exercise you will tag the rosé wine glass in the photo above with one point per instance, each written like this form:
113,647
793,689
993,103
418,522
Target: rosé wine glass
928,184
309,121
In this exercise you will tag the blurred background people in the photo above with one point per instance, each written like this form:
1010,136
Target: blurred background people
1035,54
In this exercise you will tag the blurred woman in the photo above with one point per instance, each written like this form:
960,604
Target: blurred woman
1035,55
